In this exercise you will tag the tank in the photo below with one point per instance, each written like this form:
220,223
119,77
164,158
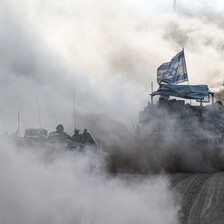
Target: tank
173,118
36,134
79,141
39,138
33,137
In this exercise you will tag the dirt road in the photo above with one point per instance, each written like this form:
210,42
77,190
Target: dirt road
200,196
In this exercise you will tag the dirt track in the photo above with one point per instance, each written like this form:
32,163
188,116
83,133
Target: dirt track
201,197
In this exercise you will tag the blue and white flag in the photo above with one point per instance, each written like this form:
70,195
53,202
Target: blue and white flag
174,71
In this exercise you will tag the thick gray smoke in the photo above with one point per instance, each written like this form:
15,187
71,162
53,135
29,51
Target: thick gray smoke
107,52
173,141
68,187
44,187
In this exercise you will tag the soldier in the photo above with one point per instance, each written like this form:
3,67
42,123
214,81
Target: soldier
87,138
77,137
59,134
83,140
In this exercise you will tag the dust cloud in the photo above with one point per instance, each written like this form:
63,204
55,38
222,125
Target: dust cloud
107,53
69,187
169,143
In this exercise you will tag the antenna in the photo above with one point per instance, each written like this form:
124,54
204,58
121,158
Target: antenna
174,5
18,128
99,148
74,110
134,128
38,109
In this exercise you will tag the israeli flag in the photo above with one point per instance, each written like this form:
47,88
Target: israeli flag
174,71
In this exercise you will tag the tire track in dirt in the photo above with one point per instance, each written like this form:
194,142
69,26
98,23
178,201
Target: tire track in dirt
187,191
196,208
208,206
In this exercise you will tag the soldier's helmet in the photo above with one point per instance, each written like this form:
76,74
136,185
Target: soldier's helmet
60,128
76,131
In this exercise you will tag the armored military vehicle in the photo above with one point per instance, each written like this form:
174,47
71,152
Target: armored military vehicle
197,120
33,137
60,140
177,119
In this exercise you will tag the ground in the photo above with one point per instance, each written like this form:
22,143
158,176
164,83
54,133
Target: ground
200,197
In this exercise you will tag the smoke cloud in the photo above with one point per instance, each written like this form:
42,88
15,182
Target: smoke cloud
173,142
41,187
107,53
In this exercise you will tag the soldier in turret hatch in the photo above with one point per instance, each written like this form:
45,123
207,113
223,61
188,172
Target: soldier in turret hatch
59,135
77,137
87,138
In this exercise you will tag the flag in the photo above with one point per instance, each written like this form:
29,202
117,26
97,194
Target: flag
174,71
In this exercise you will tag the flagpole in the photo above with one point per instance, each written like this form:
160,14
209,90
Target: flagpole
186,67
151,92
186,71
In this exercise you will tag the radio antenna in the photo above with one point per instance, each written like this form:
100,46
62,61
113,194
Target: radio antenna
18,128
38,110
74,110
174,5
